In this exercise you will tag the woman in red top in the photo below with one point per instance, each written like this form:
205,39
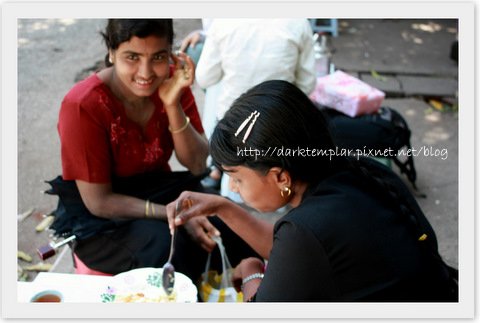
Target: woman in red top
118,129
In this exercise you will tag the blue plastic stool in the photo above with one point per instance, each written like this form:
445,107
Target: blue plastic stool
331,27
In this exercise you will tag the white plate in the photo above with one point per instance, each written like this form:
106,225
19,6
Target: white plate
148,282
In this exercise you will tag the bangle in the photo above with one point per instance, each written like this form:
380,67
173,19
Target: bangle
251,277
153,209
147,208
187,122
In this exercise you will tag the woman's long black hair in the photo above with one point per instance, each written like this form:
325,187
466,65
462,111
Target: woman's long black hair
285,134
288,122
122,30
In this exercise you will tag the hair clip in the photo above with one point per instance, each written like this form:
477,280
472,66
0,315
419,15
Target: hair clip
244,123
247,133
255,114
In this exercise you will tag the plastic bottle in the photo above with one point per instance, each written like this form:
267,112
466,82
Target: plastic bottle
322,55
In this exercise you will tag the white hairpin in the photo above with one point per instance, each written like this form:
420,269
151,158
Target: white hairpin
247,133
255,114
244,123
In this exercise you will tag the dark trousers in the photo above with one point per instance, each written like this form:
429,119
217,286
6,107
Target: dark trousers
146,243
115,246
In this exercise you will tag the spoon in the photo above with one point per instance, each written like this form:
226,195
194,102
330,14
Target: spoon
168,275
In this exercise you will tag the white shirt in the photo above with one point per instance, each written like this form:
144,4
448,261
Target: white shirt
242,53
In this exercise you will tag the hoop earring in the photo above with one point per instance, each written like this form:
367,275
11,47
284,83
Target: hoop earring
285,192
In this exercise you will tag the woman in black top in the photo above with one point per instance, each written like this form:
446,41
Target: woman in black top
354,233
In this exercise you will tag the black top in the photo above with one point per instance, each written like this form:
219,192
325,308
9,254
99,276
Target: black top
348,241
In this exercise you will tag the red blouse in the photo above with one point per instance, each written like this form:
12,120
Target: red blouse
98,140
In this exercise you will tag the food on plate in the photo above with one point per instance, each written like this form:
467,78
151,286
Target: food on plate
140,297
144,285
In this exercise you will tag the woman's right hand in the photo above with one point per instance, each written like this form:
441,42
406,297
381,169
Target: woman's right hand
193,204
258,233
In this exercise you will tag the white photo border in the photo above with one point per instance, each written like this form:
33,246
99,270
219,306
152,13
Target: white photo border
462,11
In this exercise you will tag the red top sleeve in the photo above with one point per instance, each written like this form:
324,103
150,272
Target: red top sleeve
98,140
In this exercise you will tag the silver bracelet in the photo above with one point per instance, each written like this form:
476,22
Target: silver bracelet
252,276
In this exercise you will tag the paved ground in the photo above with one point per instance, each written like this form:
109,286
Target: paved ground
411,56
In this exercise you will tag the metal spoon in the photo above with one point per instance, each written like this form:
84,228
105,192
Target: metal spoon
168,275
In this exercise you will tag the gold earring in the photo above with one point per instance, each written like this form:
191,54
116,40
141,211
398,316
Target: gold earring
110,59
285,192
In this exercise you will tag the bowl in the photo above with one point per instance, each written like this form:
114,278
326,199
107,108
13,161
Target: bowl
47,296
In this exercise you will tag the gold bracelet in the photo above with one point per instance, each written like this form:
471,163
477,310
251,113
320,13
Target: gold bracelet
153,210
182,128
147,207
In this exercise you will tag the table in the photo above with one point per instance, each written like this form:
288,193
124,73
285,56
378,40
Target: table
74,287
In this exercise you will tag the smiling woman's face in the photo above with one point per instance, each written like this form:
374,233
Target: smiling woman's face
141,64
261,192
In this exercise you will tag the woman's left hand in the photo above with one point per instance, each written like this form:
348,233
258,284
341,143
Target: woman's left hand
245,268
183,76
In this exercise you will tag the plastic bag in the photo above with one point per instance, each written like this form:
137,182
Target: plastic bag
347,94
216,287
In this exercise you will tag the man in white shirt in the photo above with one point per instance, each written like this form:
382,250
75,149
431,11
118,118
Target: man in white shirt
241,53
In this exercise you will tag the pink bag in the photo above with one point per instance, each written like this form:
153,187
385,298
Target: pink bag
347,94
